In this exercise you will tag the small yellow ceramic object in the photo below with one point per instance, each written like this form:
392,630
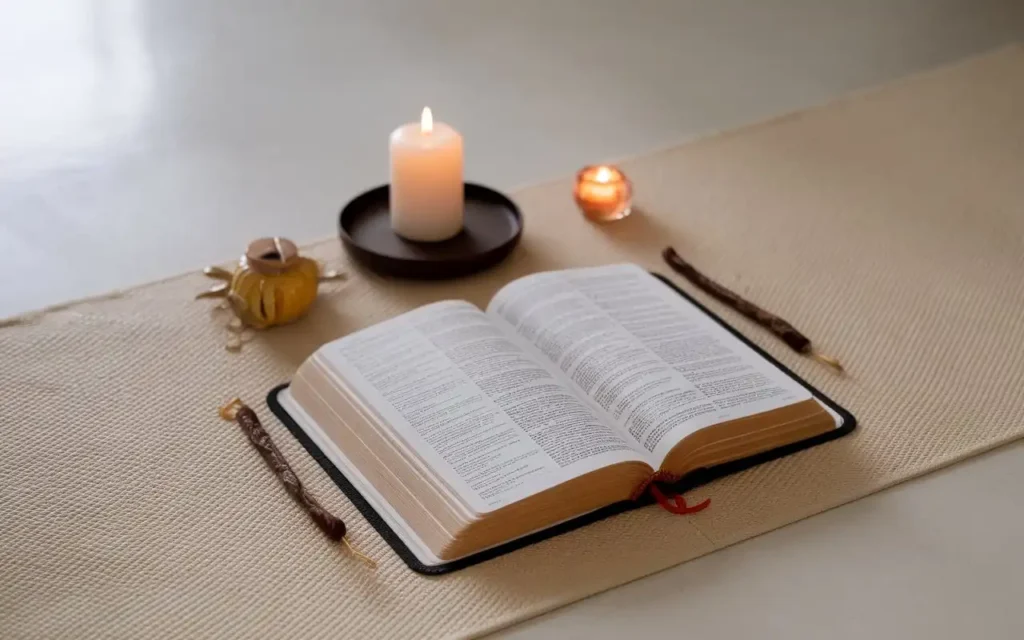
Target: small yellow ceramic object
272,284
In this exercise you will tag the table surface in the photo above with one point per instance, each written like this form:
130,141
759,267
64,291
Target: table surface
143,138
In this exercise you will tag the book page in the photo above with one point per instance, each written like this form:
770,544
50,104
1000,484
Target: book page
658,365
495,424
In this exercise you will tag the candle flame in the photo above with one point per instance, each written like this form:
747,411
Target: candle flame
603,175
426,120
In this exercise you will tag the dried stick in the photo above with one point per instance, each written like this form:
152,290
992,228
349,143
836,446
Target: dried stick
782,329
247,419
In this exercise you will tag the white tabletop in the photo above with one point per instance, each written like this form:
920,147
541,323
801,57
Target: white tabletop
140,138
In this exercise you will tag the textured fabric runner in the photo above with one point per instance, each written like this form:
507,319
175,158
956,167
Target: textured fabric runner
889,226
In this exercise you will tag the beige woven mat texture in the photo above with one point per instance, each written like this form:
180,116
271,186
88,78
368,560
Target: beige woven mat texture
888,225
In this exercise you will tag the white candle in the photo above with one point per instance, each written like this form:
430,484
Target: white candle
426,180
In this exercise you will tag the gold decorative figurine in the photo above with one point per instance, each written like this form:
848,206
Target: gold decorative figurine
271,285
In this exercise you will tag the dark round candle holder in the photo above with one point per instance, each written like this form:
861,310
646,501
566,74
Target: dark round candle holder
491,229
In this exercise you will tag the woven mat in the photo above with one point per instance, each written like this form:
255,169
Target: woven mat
889,226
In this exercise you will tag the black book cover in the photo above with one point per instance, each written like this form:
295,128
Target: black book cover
691,480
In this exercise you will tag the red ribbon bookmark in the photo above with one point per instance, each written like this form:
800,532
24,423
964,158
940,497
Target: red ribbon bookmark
677,503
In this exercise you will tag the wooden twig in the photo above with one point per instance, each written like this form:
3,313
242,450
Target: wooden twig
782,329
333,527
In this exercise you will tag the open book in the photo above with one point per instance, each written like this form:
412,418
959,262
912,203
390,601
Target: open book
465,429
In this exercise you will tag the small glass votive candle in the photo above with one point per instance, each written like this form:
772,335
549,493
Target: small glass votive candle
603,193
